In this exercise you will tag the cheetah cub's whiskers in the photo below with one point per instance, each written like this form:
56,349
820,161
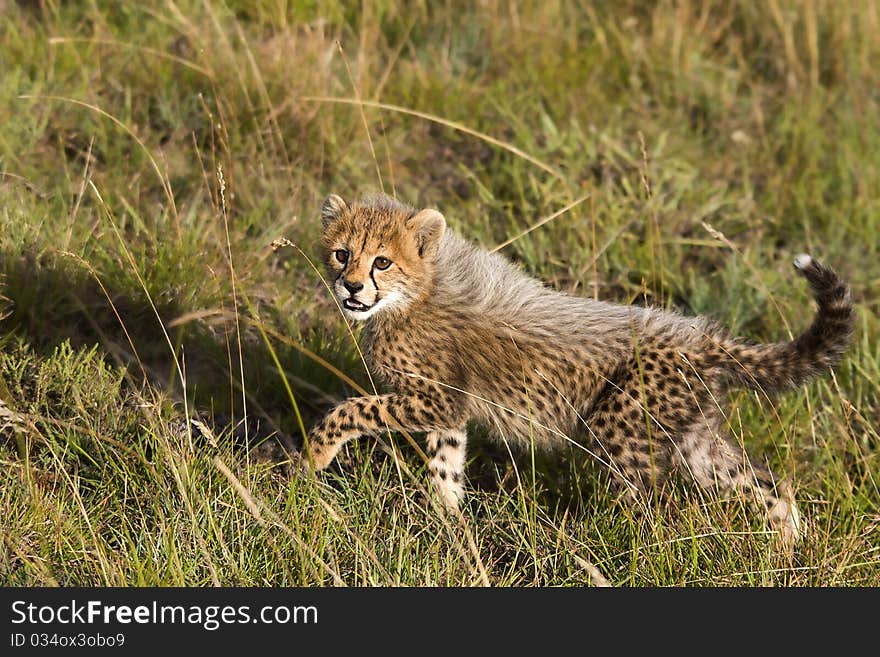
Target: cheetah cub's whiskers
462,334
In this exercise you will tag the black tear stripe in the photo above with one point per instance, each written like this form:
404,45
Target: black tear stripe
375,285
342,271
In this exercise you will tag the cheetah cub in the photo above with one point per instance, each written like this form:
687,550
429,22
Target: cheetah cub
461,334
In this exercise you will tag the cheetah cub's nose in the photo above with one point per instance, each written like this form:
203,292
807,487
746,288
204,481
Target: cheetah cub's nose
353,287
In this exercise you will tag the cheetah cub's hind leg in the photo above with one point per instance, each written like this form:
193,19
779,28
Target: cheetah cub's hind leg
717,464
447,452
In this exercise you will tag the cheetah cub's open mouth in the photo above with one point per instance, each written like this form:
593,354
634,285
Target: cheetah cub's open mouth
355,306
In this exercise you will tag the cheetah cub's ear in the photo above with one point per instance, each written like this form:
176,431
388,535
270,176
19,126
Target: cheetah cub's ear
427,227
332,208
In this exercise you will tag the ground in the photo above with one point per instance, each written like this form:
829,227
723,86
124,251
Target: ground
151,153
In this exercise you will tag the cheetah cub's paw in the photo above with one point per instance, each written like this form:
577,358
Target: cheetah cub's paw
786,520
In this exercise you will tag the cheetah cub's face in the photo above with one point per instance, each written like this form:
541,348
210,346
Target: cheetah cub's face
380,256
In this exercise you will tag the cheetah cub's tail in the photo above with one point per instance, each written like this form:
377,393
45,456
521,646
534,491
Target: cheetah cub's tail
781,365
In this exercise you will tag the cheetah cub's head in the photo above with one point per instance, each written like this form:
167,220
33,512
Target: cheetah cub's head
380,253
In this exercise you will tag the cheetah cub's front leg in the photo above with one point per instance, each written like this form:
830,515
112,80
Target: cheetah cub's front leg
447,452
417,412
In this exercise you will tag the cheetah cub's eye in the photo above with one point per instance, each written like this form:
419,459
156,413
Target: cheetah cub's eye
341,255
382,263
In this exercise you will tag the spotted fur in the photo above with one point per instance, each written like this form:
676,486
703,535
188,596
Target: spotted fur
461,334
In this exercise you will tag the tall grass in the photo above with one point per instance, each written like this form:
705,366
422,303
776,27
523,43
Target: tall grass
676,154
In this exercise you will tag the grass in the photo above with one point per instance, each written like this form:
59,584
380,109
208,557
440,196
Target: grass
150,153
